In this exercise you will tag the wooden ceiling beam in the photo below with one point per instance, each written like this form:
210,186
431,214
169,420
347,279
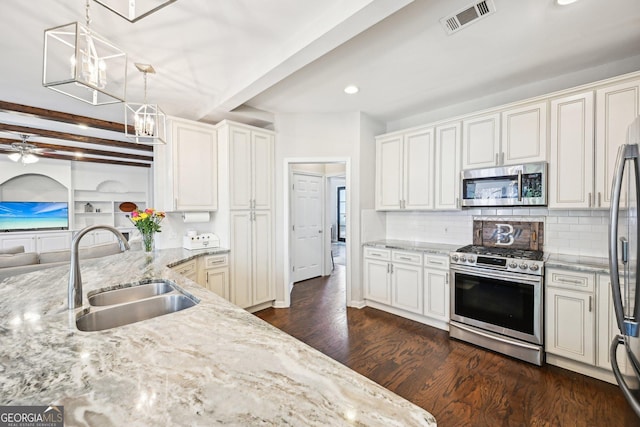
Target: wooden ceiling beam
59,116
88,151
74,137
93,160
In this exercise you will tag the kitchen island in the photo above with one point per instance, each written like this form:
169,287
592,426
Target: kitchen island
211,364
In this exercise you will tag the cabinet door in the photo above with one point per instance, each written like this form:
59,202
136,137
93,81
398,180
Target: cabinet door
389,173
481,141
616,107
262,255
418,170
524,134
26,240
406,287
54,241
570,325
608,329
217,280
241,273
195,167
571,156
262,161
377,286
240,193
436,294
447,166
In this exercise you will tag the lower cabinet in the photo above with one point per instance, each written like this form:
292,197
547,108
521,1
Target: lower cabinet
214,274
408,284
581,324
188,269
37,242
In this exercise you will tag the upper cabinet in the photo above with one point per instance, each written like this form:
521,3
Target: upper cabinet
517,135
587,129
447,166
186,169
404,171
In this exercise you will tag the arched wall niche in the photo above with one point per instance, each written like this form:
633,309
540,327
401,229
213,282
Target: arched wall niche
33,187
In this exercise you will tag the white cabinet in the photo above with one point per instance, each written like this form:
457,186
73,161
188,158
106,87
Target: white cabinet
37,242
250,166
213,271
616,107
252,281
570,315
377,281
186,169
406,281
571,166
517,135
436,287
404,170
448,155
188,269
481,141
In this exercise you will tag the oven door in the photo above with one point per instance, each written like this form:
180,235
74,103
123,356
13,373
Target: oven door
506,303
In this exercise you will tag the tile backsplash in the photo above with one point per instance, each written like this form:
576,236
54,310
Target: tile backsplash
572,232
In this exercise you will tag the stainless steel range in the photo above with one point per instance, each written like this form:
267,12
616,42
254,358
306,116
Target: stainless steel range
497,293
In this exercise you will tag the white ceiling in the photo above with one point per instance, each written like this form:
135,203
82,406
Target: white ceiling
216,56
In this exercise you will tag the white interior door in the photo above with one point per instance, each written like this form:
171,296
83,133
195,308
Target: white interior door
307,230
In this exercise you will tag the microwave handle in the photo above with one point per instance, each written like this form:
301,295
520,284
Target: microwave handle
519,186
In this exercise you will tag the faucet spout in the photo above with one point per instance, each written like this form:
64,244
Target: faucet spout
75,280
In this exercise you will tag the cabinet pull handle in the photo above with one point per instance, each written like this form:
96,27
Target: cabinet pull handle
573,282
457,202
391,265
502,158
446,279
405,258
219,261
497,162
589,199
388,268
175,203
590,303
599,199
436,262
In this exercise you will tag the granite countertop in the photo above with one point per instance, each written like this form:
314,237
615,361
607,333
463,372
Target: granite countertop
426,247
577,263
212,364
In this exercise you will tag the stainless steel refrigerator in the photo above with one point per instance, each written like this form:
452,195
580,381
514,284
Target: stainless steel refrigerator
623,264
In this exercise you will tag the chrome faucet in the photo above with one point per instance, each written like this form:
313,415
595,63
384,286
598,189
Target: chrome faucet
75,281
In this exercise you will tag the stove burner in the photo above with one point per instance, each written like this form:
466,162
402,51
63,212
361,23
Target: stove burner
503,252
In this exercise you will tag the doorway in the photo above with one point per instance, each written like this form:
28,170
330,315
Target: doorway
312,222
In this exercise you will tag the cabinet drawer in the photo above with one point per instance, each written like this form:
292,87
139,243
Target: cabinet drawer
435,261
186,268
575,280
216,261
405,257
376,253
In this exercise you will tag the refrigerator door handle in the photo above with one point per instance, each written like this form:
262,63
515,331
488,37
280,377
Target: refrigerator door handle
613,355
625,249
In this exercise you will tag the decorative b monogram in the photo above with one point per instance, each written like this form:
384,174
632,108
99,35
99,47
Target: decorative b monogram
503,235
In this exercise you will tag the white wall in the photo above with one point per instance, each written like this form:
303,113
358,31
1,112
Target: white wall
326,137
572,232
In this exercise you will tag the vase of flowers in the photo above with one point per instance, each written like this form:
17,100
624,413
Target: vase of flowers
148,223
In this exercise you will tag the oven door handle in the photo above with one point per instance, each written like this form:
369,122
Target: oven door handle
497,338
499,275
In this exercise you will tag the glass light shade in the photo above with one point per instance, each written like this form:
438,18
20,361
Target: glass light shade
145,123
134,10
29,158
15,156
82,64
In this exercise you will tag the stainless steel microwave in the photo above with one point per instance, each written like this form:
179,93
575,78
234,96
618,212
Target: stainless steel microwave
514,185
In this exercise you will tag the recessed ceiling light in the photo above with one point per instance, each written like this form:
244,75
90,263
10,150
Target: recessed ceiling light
351,89
83,126
565,2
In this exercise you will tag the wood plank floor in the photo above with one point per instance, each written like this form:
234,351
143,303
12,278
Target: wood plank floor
461,385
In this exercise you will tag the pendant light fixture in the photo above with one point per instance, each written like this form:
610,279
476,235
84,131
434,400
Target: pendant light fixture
144,123
84,65
134,10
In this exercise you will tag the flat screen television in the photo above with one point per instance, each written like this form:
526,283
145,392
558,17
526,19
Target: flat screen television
27,216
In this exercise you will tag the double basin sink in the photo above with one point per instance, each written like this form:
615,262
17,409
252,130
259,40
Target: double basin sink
132,303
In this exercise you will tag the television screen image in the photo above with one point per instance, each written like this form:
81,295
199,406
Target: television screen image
24,216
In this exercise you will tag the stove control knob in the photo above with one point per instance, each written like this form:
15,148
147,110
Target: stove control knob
533,267
463,258
471,259
523,266
454,258
513,264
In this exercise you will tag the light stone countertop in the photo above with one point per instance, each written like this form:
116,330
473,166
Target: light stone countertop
582,263
212,364
407,245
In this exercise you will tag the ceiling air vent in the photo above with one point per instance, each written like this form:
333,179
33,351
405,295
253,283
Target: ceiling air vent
467,15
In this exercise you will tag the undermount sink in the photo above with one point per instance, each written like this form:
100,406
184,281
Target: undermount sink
132,303
132,293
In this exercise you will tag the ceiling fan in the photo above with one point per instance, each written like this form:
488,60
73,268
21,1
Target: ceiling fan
23,151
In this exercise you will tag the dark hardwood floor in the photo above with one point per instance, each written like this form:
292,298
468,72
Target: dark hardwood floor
461,385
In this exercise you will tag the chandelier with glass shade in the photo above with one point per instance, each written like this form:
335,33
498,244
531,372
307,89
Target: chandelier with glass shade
80,63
